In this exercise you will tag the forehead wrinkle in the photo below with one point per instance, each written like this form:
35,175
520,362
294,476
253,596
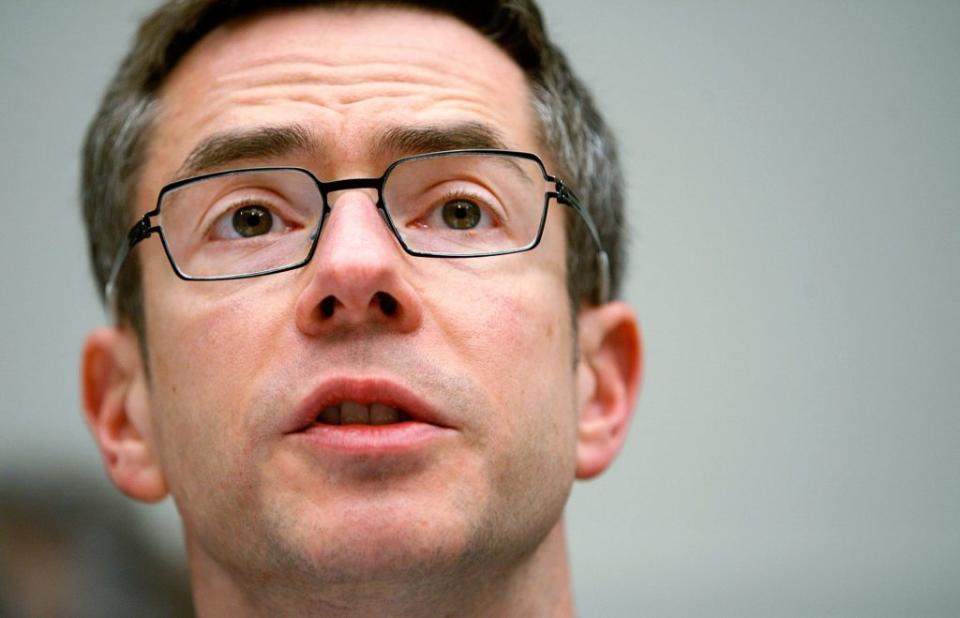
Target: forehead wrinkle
337,49
356,101
322,70
335,77
339,95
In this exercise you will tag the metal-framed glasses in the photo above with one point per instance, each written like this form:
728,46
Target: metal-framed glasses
258,221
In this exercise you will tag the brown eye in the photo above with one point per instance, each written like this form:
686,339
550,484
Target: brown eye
461,214
252,221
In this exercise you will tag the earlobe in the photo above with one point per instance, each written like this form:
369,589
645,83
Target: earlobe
116,409
608,379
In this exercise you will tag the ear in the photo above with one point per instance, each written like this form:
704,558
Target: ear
608,379
116,408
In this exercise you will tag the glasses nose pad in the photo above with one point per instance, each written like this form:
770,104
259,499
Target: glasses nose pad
383,216
394,231
321,222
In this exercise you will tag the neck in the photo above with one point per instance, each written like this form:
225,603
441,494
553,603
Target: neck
538,585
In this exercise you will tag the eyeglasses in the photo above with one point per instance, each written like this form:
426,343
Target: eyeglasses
454,204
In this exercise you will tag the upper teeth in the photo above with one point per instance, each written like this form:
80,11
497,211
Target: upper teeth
352,413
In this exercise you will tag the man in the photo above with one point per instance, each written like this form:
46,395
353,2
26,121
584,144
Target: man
367,373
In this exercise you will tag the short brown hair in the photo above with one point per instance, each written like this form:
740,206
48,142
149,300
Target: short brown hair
570,127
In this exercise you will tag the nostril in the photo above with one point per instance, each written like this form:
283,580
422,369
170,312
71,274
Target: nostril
327,306
388,304
383,302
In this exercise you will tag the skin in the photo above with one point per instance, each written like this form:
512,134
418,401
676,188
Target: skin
469,525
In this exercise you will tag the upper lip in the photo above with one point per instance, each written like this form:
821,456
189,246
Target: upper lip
365,391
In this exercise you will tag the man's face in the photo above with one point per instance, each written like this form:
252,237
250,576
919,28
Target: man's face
477,351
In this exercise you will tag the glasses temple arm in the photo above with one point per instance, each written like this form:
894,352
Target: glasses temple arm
566,196
141,230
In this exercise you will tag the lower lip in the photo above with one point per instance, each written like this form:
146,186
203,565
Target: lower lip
397,438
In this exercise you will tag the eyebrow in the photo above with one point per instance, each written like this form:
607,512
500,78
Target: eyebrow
406,141
231,147
227,148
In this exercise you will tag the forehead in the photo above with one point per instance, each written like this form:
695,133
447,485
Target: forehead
346,74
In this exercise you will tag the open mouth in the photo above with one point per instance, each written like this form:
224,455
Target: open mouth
353,413
368,418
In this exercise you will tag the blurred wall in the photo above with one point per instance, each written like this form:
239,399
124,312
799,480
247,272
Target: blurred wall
793,181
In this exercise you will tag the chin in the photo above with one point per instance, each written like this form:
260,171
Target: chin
370,544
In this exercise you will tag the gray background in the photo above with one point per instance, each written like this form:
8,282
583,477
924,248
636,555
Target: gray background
793,180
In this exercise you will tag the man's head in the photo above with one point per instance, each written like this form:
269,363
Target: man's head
260,411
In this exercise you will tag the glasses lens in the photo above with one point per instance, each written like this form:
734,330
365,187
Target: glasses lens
465,204
241,223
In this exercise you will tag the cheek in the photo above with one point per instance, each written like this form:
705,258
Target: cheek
501,329
512,330
532,433
214,330
203,348
205,356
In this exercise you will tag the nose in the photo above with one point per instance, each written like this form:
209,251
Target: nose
358,276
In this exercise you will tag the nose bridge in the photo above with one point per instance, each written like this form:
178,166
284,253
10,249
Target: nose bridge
353,220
